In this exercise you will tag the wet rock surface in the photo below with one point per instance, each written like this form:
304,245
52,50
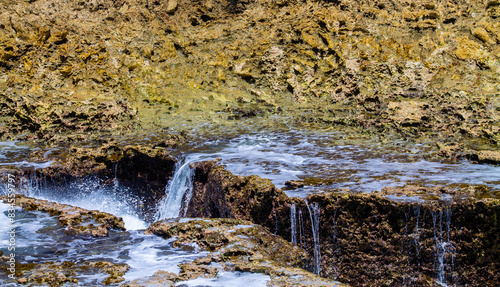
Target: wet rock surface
76,220
61,273
75,75
238,245
417,236
251,198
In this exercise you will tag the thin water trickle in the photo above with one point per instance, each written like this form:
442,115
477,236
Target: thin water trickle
314,214
416,234
301,229
179,188
445,251
293,221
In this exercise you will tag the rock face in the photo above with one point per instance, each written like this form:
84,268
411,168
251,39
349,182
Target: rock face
60,273
251,198
418,67
367,239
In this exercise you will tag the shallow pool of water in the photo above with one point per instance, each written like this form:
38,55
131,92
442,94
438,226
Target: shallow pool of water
40,239
327,161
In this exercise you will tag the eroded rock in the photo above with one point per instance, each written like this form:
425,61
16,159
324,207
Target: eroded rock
238,245
76,220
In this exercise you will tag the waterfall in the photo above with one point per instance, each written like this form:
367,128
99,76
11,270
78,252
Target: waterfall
301,228
315,229
445,250
179,188
293,220
416,236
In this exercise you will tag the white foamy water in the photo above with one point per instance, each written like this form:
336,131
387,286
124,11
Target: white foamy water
40,239
298,155
229,279
91,194
5,225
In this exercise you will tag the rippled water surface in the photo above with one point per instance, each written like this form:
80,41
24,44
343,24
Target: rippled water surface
320,160
326,161
40,239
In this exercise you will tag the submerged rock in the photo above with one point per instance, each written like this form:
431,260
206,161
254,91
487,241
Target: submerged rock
238,245
76,220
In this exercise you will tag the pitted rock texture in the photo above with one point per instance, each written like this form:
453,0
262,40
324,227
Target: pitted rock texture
421,68
238,245
368,239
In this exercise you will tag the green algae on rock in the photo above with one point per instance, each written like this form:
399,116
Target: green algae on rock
419,68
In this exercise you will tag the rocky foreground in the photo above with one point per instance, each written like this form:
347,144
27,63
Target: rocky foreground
411,236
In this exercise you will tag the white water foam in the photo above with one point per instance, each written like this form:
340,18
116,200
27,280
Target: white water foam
179,187
298,155
5,226
39,238
228,279
154,253
91,194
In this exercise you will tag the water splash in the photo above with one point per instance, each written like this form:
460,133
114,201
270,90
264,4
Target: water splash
179,188
293,220
89,193
315,229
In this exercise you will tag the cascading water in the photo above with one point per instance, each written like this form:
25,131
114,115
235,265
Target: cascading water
179,188
416,234
293,220
445,250
315,229
335,242
301,228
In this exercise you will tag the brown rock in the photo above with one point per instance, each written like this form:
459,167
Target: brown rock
482,35
77,220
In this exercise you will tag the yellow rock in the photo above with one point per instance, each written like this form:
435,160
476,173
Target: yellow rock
59,37
482,35
467,49
172,6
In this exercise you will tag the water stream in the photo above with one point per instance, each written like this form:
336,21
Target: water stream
293,222
445,251
179,188
328,161
314,215
321,161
